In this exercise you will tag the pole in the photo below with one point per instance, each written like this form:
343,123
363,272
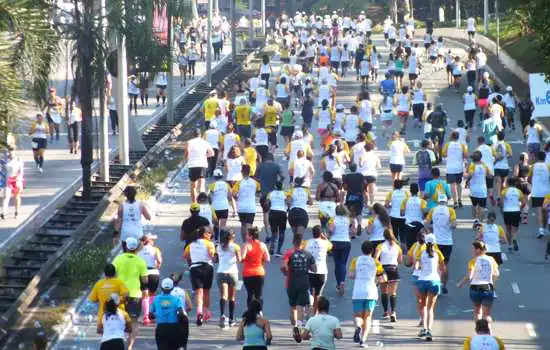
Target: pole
498,27
250,24
170,92
412,8
457,10
485,16
233,33
263,17
122,99
104,122
209,45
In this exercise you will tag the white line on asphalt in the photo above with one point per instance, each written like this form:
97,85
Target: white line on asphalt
504,257
376,326
531,330
468,311
515,287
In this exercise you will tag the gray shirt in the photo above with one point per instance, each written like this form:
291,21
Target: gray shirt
267,174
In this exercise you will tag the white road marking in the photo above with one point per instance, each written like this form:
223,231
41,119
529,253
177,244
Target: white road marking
376,326
504,257
521,306
468,311
515,288
531,330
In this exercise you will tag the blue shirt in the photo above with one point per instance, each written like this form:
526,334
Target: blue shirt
388,86
165,308
431,189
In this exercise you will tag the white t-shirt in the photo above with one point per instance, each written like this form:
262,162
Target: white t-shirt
227,259
197,153
318,248
364,286
246,201
471,24
397,152
441,218
455,157
113,327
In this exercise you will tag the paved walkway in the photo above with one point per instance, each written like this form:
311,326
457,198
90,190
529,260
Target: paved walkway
62,170
518,317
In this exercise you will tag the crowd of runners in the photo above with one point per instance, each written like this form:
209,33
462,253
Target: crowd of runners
232,168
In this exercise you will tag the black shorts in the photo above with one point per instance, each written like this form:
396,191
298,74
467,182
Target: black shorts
317,282
399,73
39,143
113,344
355,203
161,87
411,232
392,41
481,202
370,179
536,202
298,297
511,218
386,36
172,335
197,173
246,218
446,250
427,45
502,173
454,178
449,68
73,131
472,34
497,257
152,284
392,273
298,217
334,64
202,276
413,76
263,151
490,183
222,214
396,168
133,307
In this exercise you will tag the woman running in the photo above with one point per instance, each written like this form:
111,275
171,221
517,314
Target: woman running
114,325
265,70
298,199
333,163
419,100
277,218
493,235
398,151
377,224
390,255
14,183
254,256
414,250
457,69
521,172
512,202
128,222
153,259
414,209
221,198
325,117
470,107
482,272
366,273
340,235
228,256
39,136
328,195
430,265
318,247
403,107
394,202
386,113
233,165
254,329
199,255
73,126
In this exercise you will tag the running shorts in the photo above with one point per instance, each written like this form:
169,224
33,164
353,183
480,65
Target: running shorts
482,294
298,297
446,250
363,305
454,178
317,283
428,287
392,273
396,168
197,173
511,218
536,202
227,278
481,202
497,256
222,214
202,276
247,218
502,173
298,217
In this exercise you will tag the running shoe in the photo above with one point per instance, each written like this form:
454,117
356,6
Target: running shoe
232,323
541,233
357,335
146,321
428,336
222,321
40,170
444,291
515,244
342,287
422,333
386,315
199,320
278,255
393,317
207,315
363,345
460,204
296,334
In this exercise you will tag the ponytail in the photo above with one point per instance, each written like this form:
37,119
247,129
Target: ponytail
430,249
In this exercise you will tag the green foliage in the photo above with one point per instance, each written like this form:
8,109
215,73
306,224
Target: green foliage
28,46
148,180
83,266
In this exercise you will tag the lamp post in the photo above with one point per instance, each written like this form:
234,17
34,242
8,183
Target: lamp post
170,92
485,16
250,24
498,26
209,46
233,33
104,123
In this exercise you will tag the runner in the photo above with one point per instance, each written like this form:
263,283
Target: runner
456,153
318,247
113,325
425,159
153,258
243,117
245,192
221,198
172,329
403,108
394,203
483,338
533,136
503,151
104,289
389,254
213,136
327,195
199,254
438,121
511,205
192,223
354,185
277,214
493,235
14,184
39,137
418,246
74,121
340,235
476,179
470,107
398,150
296,265
419,100
414,209
442,220
128,222
197,150
254,329
162,83
228,255
254,255
298,199
482,272
54,109
430,264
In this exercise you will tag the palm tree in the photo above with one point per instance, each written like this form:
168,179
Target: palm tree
28,47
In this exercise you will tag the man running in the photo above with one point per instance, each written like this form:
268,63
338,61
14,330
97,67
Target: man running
197,151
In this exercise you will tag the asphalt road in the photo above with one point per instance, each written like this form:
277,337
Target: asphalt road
519,312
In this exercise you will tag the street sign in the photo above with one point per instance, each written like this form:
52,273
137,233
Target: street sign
540,94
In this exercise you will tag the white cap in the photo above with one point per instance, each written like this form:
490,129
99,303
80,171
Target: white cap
262,82
218,173
299,134
213,124
486,75
132,243
508,88
339,106
149,236
442,197
115,297
213,92
470,89
167,283
429,238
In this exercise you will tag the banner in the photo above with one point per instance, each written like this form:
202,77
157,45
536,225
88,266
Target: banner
160,24
540,94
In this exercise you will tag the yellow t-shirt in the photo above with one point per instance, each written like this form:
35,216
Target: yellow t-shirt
250,157
102,291
130,268
210,106
243,114
270,113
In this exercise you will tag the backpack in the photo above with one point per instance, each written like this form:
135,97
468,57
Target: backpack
423,159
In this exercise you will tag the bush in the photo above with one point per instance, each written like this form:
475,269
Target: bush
83,266
148,179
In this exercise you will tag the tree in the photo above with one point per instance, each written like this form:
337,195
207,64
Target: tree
28,46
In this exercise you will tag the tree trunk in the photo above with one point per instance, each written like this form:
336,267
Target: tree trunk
406,8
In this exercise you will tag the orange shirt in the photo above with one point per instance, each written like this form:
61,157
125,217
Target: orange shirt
323,60
253,263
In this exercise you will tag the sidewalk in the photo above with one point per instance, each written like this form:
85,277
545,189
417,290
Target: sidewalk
44,192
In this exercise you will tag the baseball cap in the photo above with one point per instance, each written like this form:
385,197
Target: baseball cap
508,88
212,93
150,236
131,243
299,134
167,283
442,197
430,238
470,89
218,173
195,207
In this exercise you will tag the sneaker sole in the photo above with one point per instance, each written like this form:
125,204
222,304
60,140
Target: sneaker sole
296,334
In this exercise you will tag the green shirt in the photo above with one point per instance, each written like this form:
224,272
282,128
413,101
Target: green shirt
287,118
130,268
321,327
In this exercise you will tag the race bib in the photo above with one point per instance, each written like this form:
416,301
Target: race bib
56,117
34,145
